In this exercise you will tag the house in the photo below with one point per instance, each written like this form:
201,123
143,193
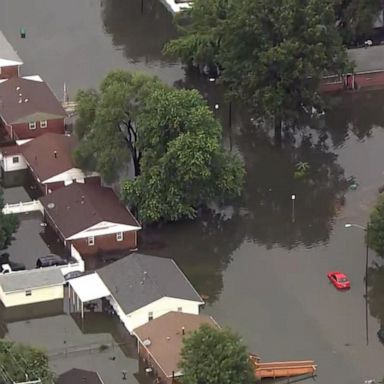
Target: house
49,157
29,108
12,159
368,71
145,287
31,286
160,343
79,376
91,218
10,62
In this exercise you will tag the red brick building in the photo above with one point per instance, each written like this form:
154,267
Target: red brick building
10,62
160,342
91,218
49,158
29,108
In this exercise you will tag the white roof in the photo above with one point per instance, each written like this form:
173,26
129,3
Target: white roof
89,287
8,55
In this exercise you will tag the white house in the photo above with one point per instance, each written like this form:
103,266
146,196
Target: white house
32,286
12,159
140,288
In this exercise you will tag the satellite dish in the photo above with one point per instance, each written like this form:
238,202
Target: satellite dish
147,343
51,205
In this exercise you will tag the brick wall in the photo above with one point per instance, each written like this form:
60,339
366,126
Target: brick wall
8,72
22,131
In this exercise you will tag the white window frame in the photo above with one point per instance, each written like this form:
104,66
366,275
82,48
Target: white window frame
28,292
32,125
150,316
179,309
119,236
15,159
91,240
43,124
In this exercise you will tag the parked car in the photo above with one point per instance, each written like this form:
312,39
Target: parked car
12,265
50,261
339,280
380,334
72,275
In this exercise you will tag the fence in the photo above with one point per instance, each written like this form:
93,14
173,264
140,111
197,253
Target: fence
29,206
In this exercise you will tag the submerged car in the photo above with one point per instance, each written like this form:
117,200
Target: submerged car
50,261
339,280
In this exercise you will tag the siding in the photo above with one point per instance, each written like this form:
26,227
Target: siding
8,165
38,295
22,131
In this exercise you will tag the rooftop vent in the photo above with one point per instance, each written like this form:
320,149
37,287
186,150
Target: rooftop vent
55,154
26,100
147,343
51,205
20,101
18,88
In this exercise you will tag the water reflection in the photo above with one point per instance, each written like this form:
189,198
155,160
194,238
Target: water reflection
139,34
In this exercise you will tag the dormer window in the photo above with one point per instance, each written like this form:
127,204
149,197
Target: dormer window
43,124
32,125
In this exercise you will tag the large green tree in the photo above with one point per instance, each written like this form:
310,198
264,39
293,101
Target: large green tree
215,356
8,225
273,54
375,231
171,136
22,363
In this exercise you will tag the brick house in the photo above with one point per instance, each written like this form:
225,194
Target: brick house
90,217
160,342
49,158
10,61
28,108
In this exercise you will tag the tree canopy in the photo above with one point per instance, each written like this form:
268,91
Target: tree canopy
23,363
215,356
8,225
375,231
273,54
172,138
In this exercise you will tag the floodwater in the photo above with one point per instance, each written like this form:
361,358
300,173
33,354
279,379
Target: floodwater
261,262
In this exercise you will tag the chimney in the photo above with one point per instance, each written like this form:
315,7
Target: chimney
55,154
183,331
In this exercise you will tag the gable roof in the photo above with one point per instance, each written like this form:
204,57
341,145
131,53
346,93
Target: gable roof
138,280
34,278
166,337
78,207
40,154
37,101
367,59
79,376
8,55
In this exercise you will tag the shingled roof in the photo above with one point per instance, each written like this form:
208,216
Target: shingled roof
79,376
50,154
8,55
25,100
78,207
138,280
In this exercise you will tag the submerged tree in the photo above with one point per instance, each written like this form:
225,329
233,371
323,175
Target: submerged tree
375,233
215,356
171,136
8,225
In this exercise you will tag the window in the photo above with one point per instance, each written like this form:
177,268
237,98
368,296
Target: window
91,240
119,236
28,293
15,159
43,124
179,309
32,125
150,316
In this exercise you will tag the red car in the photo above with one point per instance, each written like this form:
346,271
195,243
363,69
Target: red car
339,280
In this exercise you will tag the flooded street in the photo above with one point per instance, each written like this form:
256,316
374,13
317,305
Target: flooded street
261,262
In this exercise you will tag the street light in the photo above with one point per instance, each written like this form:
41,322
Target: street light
293,198
365,229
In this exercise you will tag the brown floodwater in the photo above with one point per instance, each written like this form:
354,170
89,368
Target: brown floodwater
260,261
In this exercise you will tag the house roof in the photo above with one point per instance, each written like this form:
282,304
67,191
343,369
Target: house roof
166,337
8,55
40,154
367,59
78,207
28,99
34,278
79,376
138,280
11,150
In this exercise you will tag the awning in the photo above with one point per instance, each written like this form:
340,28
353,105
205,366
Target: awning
89,287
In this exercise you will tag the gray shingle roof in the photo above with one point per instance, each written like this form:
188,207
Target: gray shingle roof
138,280
367,59
35,278
6,50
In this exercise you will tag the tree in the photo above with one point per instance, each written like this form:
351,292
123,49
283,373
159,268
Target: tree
273,54
375,233
355,18
215,356
8,225
23,363
174,142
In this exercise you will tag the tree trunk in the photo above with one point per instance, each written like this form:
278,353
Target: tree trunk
278,128
136,163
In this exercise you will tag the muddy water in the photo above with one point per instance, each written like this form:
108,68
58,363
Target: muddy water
262,261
